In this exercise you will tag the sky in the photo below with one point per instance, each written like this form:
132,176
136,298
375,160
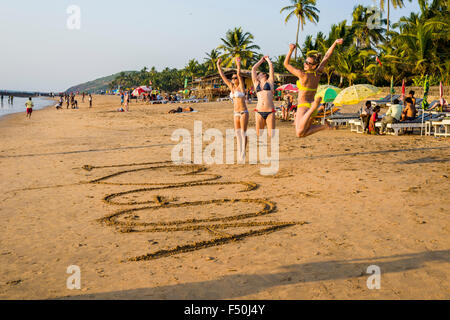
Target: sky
38,52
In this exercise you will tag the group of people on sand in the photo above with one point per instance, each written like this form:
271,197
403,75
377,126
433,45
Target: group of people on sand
395,114
70,101
264,85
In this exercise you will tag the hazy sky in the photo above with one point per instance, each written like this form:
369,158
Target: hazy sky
39,52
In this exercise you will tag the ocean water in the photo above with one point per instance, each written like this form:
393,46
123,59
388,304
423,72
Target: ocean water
18,105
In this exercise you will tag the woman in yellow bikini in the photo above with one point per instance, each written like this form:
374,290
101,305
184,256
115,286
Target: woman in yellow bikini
309,79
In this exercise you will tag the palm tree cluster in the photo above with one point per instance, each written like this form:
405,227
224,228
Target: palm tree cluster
413,47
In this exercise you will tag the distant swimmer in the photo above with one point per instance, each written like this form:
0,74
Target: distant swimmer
29,104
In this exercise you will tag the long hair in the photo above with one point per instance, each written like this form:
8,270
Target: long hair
317,58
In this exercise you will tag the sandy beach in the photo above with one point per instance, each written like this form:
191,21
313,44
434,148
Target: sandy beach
97,189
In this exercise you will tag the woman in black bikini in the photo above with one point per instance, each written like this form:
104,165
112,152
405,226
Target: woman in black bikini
241,115
265,88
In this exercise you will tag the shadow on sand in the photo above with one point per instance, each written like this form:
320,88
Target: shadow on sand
234,286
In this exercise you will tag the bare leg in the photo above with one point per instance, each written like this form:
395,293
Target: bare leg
244,126
270,124
260,123
303,123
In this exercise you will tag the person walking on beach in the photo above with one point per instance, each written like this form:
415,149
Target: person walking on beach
82,99
265,88
241,116
126,100
309,79
90,101
287,106
29,104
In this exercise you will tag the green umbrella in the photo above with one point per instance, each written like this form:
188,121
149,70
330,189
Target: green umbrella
330,95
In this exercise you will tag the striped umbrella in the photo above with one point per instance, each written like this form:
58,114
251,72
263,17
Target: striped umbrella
441,95
392,87
355,94
288,87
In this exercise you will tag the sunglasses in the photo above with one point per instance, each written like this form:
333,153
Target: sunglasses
310,64
234,78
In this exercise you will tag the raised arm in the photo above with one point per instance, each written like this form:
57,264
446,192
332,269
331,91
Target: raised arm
222,75
287,63
255,71
271,70
241,81
328,55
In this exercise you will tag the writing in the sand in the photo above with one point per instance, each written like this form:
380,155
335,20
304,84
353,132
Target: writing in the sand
233,309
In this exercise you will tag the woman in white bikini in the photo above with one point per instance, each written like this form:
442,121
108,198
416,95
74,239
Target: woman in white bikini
309,79
265,87
241,115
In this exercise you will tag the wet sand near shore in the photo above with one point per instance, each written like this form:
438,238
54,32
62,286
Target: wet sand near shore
96,188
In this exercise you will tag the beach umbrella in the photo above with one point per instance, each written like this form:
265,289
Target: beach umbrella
288,87
392,87
140,90
403,89
355,94
441,95
426,90
328,93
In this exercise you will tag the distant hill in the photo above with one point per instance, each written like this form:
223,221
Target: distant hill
95,85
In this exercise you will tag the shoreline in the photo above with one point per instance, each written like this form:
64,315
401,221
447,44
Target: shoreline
2,117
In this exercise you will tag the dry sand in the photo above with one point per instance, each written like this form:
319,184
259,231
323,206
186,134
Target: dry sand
340,203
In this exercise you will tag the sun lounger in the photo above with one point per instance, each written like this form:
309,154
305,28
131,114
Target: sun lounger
385,100
340,119
440,128
413,124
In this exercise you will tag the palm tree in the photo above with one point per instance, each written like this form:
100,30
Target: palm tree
238,44
192,69
303,10
346,64
211,60
365,36
395,3
418,39
278,64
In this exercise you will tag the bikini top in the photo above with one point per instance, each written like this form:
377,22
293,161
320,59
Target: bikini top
302,88
237,95
267,87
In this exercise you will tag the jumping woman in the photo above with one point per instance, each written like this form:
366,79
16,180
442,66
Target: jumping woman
265,87
309,79
241,115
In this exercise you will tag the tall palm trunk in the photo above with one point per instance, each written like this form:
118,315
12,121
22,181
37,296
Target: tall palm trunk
388,14
296,40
